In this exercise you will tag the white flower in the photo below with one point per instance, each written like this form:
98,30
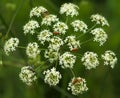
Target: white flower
30,27
90,60
52,77
37,11
67,60
32,50
49,19
10,45
44,36
109,58
52,55
55,43
27,75
99,19
79,26
60,27
100,35
72,43
77,85
69,9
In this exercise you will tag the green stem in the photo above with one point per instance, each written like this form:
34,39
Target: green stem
72,72
87,31
66,20
86,41
22,47
13,18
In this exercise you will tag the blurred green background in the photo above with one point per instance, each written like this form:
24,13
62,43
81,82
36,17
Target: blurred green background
103,82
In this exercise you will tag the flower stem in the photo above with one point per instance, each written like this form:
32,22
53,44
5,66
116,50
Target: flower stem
87,31
86,41
72,72
22,47
13,18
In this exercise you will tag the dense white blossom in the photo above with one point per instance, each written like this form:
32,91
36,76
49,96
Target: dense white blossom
52,55
109,58
99,19
55,43
49,19
30,27
60,27
77,85
27,75
90,60
32,50
100,35
67,60
69,9
44,36
10,45
79,26
52,77
72,43
37,11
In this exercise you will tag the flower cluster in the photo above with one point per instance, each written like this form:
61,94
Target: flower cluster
109,58
52,77
30,27
37,11
100,35
51,55
32,50
67,60
79,26
60,27
99,19
44,36
72,43
11,45
77,85
27,75
57,41
49,19
69,9
90,60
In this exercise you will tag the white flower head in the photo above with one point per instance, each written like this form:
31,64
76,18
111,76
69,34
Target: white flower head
72,43
55,43
99,19
27,75
90,60
52,77
44,36
109,58
69,9
67,60
100,35
10,45
37,11
30,27
77,85
60,27
32,50
49,19
79,26
52,55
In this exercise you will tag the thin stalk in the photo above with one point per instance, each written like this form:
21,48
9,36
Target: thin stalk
56,64
87,31
22,47
86,41
72,72
13,18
